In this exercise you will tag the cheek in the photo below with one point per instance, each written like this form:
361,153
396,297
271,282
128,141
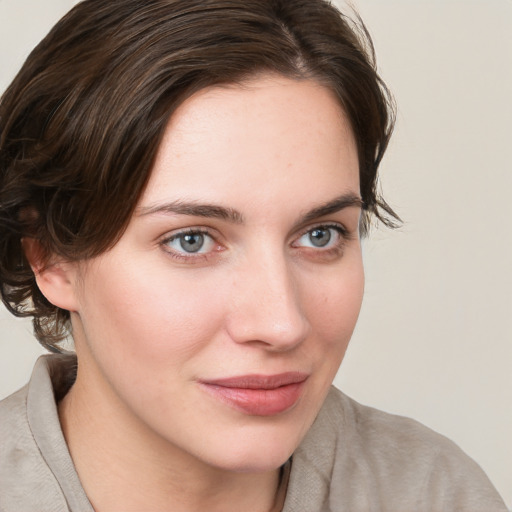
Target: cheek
333,310
151,315
335,306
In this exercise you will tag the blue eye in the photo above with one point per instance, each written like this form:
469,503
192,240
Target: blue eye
321,237
191,242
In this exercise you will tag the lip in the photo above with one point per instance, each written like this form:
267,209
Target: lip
258,395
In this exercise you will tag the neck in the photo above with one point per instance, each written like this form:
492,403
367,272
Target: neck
124,466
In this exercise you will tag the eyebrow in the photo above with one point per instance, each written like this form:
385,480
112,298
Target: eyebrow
194,209
339,203
207,210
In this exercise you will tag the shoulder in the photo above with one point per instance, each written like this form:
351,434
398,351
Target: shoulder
385,438
26,481
367,459
14,432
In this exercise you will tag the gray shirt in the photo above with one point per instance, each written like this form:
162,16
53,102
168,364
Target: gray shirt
353,459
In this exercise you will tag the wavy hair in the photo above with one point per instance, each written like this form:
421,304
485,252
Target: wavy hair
81,122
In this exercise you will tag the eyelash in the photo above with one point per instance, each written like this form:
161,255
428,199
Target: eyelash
344,236
190,256
341,230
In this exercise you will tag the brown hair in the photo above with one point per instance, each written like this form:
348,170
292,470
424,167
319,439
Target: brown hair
81,122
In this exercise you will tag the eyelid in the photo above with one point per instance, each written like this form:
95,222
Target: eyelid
188,230
330,252
172,235
338,226
344,233
191,230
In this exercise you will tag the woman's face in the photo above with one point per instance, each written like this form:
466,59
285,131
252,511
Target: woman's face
218,321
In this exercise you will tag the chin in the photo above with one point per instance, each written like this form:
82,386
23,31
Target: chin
260,450
255,462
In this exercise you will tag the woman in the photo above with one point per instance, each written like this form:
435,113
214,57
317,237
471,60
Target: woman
184,185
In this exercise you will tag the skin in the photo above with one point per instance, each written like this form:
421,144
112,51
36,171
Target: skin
151,321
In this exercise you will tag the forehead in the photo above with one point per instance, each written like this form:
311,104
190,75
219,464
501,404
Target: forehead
250,142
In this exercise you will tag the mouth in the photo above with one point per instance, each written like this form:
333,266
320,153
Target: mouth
258,395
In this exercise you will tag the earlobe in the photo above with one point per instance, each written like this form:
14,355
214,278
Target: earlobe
56,279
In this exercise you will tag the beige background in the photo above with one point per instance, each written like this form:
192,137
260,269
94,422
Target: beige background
435,336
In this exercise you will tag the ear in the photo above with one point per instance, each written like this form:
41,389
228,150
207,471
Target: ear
55,279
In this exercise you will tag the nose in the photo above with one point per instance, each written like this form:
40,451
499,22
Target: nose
266,305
